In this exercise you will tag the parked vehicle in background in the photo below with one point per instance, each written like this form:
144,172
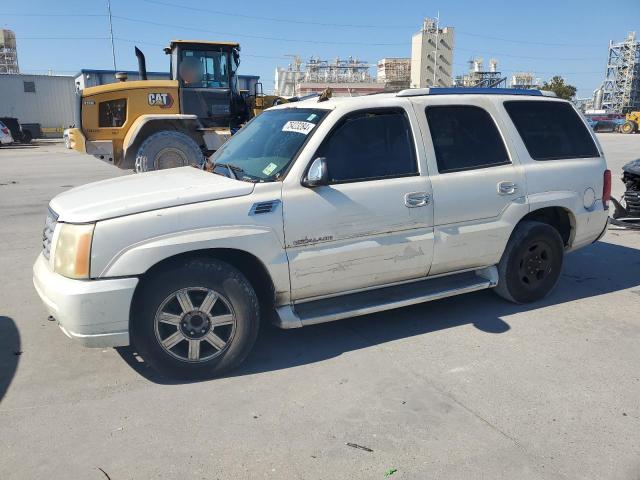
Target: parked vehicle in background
5,135
34,129
19,135
321,210
605,126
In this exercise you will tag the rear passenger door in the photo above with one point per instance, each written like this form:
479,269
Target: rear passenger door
478,185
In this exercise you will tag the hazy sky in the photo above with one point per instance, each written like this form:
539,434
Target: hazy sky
566,37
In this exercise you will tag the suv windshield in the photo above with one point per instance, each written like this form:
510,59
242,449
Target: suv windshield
263,149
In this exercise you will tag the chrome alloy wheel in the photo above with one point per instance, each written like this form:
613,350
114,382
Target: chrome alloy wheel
195,324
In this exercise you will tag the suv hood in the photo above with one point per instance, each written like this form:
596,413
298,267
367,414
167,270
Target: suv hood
138,193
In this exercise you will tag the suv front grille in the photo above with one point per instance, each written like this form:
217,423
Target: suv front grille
47,232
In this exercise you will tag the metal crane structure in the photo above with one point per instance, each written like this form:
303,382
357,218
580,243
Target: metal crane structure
621,87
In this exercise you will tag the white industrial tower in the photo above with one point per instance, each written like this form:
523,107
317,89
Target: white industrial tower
432,55
8,52
621,87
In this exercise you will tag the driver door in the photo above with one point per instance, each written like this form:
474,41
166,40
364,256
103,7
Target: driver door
372,224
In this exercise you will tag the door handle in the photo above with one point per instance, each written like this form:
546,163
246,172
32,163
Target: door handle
417,199
507,188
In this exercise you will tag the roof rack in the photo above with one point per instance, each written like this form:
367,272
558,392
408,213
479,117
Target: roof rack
417,92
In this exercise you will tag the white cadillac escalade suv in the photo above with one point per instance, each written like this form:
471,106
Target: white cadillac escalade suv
317,211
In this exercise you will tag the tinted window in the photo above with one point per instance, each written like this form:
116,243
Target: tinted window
464,138
112,113
370,145
551,130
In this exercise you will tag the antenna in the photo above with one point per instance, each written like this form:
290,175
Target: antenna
113,48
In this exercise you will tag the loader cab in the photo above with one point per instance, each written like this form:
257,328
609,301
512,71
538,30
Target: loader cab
206,74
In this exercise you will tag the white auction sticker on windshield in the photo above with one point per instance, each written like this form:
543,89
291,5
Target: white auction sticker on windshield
298,127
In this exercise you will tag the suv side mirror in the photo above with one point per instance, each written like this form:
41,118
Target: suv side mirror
318,173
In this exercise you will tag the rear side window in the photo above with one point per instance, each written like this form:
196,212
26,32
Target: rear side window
465,138
551,130
369,145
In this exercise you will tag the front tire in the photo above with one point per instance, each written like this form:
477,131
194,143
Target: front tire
531,263
628,127
167,149
196,319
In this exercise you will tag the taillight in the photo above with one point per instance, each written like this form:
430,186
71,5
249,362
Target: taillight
5,131
606,189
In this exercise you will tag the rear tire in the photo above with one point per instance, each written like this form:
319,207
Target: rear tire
531,263
26,136
167,149
196,319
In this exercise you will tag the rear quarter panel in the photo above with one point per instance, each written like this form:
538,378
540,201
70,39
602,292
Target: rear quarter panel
565,183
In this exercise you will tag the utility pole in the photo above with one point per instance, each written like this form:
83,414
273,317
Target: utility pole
113,48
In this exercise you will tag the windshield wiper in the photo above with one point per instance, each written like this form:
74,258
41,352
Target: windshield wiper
234,170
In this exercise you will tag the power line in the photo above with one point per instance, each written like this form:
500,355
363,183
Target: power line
305,22
142,42
54,14
272,19
527,42
351,25
259,37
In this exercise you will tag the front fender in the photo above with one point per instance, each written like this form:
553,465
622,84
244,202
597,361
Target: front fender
259,241
140,122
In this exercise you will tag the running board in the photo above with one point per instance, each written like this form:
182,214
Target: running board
384,298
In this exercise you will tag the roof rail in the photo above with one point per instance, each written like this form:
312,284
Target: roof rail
416,92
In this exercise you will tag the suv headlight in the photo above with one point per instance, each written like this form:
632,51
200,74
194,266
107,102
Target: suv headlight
72,256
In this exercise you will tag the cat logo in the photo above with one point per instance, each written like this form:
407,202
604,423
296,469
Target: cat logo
162,100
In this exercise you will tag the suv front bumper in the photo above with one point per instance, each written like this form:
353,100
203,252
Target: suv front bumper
94,312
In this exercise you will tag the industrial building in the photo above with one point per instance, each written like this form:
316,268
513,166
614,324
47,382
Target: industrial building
394,73
8,52
432,55
287,79
90,78
620,91
49,99
346,77
525,80
44,99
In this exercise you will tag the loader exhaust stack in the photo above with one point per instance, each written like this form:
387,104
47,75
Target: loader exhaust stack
142,64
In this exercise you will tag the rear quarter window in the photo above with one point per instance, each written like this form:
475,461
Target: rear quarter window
551,130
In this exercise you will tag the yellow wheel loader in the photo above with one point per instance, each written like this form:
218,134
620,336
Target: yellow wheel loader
632,123
155,124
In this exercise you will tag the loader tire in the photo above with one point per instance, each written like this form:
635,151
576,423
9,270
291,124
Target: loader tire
167,149
628,127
